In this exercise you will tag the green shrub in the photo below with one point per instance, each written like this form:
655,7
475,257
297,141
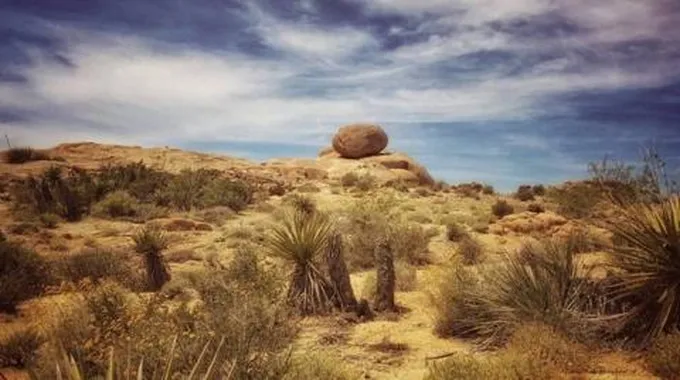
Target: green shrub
502,208
663,357
97,265
492,303
19,348
137,179
23,275
470,250
118,204
224,192
524,193
455,232
22,155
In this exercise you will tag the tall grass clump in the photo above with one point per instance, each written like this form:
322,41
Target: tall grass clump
490,303
301,239
647,259
150,242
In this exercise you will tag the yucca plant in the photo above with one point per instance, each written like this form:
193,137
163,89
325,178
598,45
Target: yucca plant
150,242
648,259
544,286
301,239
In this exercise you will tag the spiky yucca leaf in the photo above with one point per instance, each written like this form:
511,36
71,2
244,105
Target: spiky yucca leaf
649,259
301,239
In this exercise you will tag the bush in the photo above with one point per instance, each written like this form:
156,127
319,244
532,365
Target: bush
22,155
538,190
366,182
301,203
488,190
470,251
97,265
349,179
23,275
137,179
551,348
463,366
223,192
49,220
455,232
186,189
535,208
316,366
502,208
663,357
524,193
648,263
19,348
491,304
118,204
576,200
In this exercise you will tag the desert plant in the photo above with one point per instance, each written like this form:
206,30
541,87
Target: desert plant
663,357
538,190
301,203
491,304
488,190
317,366
301,239
150,241
550,348
186,189
23,275
536,208
524,193
455,232
349,179
224,192
501,366
338,273
19,348
470,250
648,259
116,205
96,265
21,155
577,200
502,208
366,182
385,277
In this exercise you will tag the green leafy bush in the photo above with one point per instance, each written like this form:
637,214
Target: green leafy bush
23,275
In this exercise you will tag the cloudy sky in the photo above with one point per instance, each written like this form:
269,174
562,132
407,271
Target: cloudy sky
502,91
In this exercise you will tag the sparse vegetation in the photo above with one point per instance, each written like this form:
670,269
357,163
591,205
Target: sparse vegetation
463,366
21,155
470,250
19,348
502,208
97,265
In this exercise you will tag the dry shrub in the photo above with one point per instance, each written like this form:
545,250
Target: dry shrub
488,190
300,203
23,275
19,348
464,366
502,208
577,200
182,256
366,182
21,155
317,366
551,348
349,179
663,357
536,208
119,204
470,251
97,265
524,193
217,215
455,232
308,188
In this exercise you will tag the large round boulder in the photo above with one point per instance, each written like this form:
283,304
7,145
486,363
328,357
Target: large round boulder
359,140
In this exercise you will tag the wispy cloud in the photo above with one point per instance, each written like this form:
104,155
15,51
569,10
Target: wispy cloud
296,73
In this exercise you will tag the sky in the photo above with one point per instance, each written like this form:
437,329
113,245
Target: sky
505,92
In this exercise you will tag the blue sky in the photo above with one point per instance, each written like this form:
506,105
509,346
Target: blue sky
501,91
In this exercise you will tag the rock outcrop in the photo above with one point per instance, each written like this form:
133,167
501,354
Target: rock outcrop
359,140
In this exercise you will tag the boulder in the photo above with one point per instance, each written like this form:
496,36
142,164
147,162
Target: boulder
359,140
